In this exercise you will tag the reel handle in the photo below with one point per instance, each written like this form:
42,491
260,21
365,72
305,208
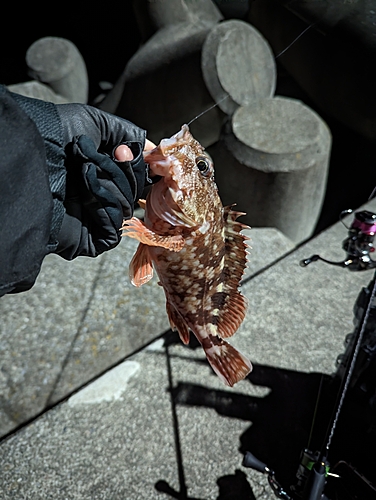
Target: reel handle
252,462
314,258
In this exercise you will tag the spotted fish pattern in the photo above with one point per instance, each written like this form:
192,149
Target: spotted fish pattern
196,247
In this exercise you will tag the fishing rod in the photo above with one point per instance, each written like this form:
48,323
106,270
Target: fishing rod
314,468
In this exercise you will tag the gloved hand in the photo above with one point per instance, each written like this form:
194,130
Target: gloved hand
100,191
92,192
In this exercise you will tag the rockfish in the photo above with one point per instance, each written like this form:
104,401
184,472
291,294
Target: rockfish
197,250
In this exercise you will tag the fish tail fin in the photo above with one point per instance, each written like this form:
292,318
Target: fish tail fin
228,363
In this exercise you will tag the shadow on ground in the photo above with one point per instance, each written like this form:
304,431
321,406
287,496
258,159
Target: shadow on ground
281,425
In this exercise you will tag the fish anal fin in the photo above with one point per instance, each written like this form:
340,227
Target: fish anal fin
134,228
228,363
177,323
141,267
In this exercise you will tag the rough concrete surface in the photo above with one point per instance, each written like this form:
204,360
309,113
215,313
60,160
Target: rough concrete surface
162,423
81,318
37,329
119,320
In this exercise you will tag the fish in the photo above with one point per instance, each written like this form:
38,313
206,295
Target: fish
195,245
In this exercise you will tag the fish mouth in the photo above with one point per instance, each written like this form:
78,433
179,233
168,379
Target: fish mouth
161,159
179,139
171,169
159,164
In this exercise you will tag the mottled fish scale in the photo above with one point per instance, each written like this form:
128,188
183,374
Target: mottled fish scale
190,280
197,250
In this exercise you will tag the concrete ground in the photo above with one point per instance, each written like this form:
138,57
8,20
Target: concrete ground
120,409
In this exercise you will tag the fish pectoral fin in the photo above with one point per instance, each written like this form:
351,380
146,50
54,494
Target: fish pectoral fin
177,323
141,267
228,363
134,228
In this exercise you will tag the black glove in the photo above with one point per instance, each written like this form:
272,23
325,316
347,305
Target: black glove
92,192
100,191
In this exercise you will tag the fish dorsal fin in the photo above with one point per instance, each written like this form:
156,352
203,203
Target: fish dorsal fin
228,302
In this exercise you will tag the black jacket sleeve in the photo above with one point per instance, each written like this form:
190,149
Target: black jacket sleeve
26,202
61,190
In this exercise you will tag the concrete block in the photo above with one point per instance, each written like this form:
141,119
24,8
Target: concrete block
237,65
162,86
58,63
273,160
37,90
188,66
59,72
153,15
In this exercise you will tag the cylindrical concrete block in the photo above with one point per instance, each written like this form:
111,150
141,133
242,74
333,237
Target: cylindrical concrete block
162,86
58,63
153,15
334,62
172,93
186,68
37,90
272,161
238,65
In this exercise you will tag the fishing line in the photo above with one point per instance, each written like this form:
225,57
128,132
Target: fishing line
296,39
227,96
372,194
315,411
206,110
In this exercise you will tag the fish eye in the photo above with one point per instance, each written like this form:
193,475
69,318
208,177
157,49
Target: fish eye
203,164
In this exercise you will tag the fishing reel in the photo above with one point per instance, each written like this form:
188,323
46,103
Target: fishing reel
358,245
311,476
